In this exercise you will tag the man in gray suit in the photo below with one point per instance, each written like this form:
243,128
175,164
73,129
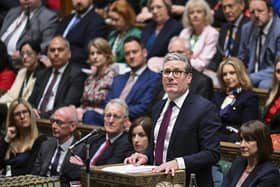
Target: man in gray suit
30,21
53,156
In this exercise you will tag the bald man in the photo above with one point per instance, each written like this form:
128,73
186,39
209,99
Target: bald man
53,157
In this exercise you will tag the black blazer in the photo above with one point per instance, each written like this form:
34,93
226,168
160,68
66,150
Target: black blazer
171,28
274,125
69,90
116,153
90,26
218,57
193,137
265,174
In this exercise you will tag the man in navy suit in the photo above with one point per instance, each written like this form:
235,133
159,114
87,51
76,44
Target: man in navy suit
138,95
80,27
184,127
260,42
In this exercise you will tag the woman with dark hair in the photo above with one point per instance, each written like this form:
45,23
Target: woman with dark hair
21,142
237,102
254,168
139,134
7,74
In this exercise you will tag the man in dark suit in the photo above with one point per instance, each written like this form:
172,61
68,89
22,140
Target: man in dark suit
29,21
60,85
137,87
80,27
113,146
260,43
230,32
184,127
53,156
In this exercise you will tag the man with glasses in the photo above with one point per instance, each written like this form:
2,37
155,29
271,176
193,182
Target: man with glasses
59,85
260,42
184,127
113,146
53,156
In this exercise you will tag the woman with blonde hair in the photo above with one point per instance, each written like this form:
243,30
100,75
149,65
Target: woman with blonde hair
236,100
21,142
201,36
99,81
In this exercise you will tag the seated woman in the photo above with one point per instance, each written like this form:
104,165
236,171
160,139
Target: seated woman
21,142
7,74
139,134
157,33
100,79
254,168
26,77
199,33
122,18
271,114
236,100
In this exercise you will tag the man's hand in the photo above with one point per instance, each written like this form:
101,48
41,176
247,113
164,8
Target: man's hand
136,159
168,167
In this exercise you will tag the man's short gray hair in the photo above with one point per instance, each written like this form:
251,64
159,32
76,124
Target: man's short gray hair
120,102
178,57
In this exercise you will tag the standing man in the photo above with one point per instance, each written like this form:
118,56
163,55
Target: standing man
230,32
60,85
80,27
137,87
184,127
114,146
260,42
30,21
53,156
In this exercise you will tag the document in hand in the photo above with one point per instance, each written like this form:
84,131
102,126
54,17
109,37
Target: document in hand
129,168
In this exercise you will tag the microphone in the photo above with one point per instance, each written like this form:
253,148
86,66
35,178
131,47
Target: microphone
93,132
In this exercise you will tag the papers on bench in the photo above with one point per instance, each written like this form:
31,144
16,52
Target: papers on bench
129,169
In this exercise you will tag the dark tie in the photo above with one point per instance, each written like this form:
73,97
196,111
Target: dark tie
162,133
107,145
54,165
230,41
49,92
259,52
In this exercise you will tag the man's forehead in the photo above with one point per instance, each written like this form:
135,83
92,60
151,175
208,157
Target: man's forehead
114,108
174,64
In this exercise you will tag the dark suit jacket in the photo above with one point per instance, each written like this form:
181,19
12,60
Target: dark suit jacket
90,26
265,174
274,125
69,90
140,96
43,25
215,62
116,153
171,28
68,171
193,137
244,109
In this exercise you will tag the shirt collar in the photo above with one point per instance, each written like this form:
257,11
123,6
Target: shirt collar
140,70
66,144
267,27
237,22
61,69
180,100
114,138
85,13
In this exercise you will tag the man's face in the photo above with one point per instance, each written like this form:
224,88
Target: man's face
32,4
175,86
260,13
232,9
62,127
81,5
58,52
135,55
114,119
177,46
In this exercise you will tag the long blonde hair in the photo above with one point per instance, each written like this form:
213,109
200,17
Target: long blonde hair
16,146
275,86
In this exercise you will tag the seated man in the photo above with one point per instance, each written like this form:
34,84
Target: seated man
53,156
260,43
137,87
60,85
112,147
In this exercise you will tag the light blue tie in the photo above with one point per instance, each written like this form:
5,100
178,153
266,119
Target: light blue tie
75,20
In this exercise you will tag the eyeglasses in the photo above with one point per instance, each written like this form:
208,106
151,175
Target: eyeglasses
59,122
20,113
26,53
114,116
277,71
175,73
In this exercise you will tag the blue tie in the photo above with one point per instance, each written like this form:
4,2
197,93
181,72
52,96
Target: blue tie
54,165
75,20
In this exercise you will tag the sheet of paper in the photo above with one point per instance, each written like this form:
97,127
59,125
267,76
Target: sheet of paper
129,168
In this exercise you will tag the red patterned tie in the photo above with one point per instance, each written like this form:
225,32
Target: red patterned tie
162,133
107,145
